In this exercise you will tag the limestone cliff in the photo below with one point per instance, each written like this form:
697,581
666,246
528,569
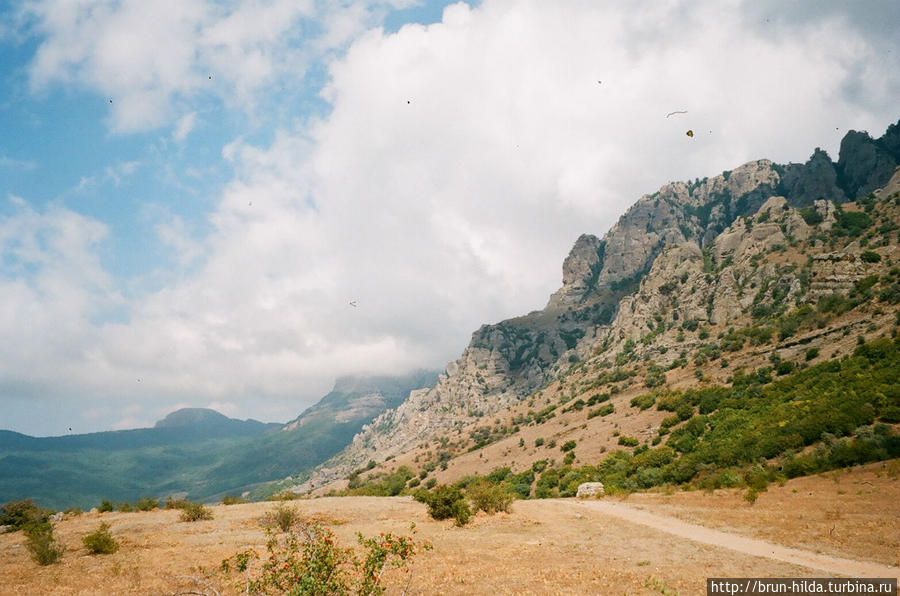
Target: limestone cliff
687,252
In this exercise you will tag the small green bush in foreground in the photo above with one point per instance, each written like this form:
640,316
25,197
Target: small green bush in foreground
100,541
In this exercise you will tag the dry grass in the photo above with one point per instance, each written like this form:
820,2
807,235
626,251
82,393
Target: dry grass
542,547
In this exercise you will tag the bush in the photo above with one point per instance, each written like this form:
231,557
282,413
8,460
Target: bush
232,500
568,446
100,541
870,256
644,401
628,441
283,517
811,354
41,544
19,514
538,441
192,512
811,216
175,503
488,497
312,562
445,502
105,506
146,504
785,367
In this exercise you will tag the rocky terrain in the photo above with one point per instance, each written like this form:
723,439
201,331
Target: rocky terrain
687,273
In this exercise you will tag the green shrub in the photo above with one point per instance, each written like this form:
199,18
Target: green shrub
489,497
444,502
811,216
644,401
146,504
891,414
126,507
19,514
568,446
282,517
850,224
41,544
870,256
811,354
312,562
105,506
192,512
628,441
756,478
538,441
100,541
785,367
232,500
684,411
176,503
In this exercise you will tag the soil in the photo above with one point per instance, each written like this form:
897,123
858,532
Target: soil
841,523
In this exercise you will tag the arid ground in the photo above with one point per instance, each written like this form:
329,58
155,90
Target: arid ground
840,523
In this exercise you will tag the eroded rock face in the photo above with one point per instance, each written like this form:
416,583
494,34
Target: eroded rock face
864,164
815,180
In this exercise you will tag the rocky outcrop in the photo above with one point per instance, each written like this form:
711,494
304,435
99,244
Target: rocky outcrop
817,179
688,252
590,489
865,164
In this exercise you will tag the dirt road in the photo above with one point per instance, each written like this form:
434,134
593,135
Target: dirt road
742,544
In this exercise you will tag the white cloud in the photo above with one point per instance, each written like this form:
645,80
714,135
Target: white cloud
184,126
149,58
457,167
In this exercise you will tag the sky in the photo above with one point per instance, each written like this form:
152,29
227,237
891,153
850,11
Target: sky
230,204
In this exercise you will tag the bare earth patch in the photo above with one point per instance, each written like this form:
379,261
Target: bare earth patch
561,546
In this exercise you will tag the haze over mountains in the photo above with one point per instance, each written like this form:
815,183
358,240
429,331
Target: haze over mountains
193,451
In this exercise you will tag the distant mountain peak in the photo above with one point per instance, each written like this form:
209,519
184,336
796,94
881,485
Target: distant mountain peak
191,417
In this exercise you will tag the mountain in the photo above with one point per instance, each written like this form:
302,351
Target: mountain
692,252
193,451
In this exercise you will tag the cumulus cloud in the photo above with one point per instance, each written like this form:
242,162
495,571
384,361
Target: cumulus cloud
152,58
457,166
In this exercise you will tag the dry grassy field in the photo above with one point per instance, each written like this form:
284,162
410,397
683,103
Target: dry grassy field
561,546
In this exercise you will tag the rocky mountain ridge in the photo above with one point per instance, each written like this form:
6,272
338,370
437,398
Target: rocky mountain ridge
702,230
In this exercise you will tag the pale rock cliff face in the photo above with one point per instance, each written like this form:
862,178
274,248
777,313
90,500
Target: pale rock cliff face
690,252
722,286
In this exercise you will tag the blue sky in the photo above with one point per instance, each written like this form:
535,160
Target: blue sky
192,192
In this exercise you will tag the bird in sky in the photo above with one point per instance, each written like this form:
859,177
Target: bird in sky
690,133
676,112
354,303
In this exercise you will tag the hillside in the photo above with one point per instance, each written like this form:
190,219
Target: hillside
698,284
195,452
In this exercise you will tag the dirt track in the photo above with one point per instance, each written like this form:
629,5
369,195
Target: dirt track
748,546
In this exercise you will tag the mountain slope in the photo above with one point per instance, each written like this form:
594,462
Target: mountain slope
507,362
770,345
197,452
